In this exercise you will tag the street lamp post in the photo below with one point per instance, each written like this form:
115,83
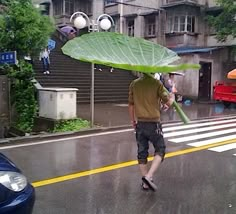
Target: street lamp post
104,22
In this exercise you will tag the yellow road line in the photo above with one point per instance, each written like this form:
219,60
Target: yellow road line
125,164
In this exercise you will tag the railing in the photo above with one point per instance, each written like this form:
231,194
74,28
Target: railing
178,1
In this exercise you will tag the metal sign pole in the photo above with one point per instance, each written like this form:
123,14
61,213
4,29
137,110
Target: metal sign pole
81,21
92,96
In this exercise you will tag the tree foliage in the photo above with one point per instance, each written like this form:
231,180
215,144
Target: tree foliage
23,95
225,22
23,28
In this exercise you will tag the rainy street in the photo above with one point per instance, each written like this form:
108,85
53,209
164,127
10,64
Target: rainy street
84,85
98,172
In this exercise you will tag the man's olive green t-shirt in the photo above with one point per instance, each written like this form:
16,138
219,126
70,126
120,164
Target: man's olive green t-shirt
145,94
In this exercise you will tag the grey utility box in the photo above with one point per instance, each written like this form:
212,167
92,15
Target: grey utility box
57,103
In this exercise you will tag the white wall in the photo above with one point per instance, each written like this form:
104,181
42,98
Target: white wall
212,41
98,8
188,85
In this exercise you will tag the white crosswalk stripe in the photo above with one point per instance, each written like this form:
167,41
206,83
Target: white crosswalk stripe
224,148
198,136
202,120
213,140
204,132
188,126
198,130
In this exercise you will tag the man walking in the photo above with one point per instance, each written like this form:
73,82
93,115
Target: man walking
145,95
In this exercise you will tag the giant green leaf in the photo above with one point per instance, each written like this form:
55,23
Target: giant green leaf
128,53
124,52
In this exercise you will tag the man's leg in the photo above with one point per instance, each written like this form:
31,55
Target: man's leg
154,166
143,146
143,169
156,137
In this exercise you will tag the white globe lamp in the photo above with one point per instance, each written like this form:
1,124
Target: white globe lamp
105,24
80,22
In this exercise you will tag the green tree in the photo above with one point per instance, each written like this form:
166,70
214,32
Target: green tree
225,22
23,29
4,2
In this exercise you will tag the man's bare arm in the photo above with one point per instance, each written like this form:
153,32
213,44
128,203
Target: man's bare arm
131,115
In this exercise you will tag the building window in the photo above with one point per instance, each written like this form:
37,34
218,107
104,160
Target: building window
150,26
181,24
69,7
175,28
191,24
110,1
85,6
130,25
58,7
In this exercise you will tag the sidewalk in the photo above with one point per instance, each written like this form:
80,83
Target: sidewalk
111,114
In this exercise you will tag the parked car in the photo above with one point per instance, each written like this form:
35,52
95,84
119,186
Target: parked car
17,196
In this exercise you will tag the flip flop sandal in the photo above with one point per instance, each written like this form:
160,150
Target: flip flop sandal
149,183
144,187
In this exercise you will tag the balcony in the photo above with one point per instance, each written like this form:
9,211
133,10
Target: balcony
111,7
171,3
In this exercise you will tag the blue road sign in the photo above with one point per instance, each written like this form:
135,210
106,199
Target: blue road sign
8,57
51,44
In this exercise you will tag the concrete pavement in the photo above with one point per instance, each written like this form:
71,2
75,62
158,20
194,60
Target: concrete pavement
98,173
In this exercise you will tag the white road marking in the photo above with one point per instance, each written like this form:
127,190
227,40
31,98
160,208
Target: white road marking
64,139
224,148
203,120
210,141
200,136
172,134
188,126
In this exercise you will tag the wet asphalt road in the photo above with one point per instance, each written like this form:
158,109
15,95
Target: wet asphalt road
192,179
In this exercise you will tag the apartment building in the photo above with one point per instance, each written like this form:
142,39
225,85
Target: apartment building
180,25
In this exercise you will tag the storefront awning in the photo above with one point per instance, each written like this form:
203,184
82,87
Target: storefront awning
186,50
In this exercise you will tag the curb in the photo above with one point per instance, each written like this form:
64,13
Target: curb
47,136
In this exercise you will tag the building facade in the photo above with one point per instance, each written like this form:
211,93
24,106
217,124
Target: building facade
177,24
181,26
